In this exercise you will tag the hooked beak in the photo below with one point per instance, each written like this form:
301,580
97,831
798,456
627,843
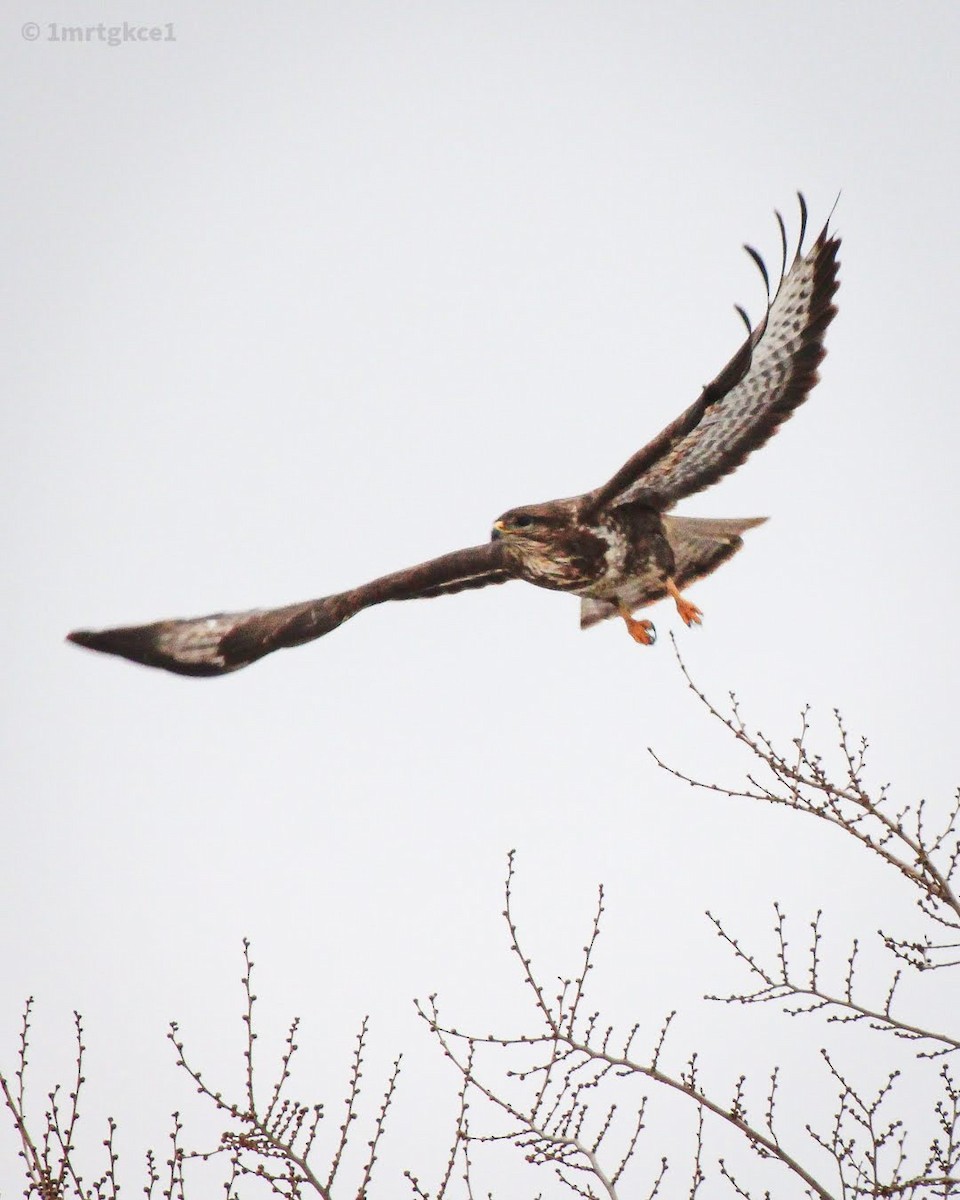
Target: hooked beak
499,529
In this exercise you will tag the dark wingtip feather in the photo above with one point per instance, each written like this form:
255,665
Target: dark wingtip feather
803,224
785,249
744,317
761,267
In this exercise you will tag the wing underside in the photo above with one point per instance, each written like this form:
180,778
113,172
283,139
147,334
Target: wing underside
769,376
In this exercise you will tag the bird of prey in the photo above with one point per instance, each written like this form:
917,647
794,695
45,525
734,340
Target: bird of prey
617,547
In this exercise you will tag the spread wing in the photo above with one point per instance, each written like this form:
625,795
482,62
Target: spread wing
225,642
771,373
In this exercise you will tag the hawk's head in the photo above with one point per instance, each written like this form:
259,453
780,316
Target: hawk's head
533,523
547,543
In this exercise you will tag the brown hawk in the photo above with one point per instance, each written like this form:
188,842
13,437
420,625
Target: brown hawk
617,547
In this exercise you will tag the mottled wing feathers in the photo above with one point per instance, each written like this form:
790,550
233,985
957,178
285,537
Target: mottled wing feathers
770,375
699,544
225,642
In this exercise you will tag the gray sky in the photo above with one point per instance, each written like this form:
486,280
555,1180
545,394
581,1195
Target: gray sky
307,294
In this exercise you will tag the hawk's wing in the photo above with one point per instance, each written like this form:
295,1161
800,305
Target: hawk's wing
224,642
753,395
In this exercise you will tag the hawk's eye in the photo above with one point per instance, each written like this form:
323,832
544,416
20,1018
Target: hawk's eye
523,521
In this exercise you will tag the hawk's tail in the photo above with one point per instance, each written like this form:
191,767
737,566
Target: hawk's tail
699,544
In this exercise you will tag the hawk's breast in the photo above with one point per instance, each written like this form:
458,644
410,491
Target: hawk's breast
636,550
571,560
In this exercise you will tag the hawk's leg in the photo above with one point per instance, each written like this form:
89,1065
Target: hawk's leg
689,613
641,631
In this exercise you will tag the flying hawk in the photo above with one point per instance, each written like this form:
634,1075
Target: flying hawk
616,547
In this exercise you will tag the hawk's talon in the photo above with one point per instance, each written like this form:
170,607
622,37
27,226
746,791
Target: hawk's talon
689,613
642,631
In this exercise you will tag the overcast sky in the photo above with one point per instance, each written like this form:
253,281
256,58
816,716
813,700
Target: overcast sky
300,294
